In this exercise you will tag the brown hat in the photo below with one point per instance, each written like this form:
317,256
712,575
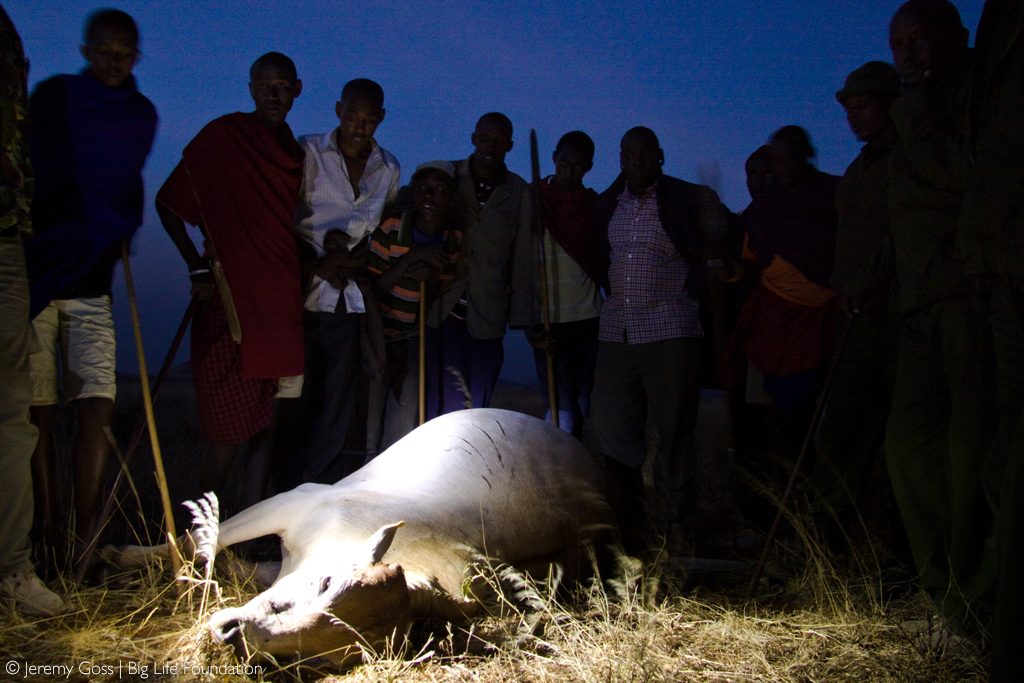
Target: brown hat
873,77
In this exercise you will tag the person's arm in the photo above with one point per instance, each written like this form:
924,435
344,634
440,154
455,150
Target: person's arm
420,262
198,267
874,279
526,304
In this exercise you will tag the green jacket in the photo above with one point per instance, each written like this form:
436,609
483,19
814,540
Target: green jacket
496,260
864,230
926,191
15,169
991,236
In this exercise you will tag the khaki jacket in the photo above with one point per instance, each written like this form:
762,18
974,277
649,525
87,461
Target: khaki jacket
496,261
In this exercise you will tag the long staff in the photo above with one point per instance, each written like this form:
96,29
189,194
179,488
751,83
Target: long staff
140,427
147,400
538,231
423,353
756,578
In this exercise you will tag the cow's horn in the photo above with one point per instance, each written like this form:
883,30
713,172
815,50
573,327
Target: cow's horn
379,543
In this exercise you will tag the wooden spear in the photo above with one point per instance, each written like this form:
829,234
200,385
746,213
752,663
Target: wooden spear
756,578
423,353
140,426
538,231
147,400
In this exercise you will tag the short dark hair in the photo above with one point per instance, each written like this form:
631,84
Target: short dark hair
797,139
498,118
277,59
577,139
363,88
645,134
113,18
940,14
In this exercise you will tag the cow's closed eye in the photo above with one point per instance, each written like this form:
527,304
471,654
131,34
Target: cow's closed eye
325,583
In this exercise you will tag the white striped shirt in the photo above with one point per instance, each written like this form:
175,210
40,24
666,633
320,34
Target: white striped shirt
327,202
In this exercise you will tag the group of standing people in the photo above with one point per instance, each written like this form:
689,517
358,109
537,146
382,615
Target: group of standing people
314,262
918,246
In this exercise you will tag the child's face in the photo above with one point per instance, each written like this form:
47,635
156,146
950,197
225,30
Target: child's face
111,55
571,165
359,120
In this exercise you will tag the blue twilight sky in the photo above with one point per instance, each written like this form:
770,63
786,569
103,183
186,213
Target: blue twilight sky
713,80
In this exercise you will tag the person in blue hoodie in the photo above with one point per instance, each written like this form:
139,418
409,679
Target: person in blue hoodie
90,136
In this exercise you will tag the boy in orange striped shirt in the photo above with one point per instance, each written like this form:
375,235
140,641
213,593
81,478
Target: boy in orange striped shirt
408,248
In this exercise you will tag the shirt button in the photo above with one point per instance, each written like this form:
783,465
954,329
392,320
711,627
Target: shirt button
627,301
629,256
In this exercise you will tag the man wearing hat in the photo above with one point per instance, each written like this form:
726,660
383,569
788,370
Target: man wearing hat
410,247
853,428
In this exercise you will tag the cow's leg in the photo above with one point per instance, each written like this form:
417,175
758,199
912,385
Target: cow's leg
271,516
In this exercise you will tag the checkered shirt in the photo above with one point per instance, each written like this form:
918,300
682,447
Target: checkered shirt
649,301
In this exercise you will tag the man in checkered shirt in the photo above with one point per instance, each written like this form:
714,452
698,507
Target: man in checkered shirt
650,231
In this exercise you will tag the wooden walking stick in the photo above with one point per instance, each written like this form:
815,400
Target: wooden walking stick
147,400
140,427
756,578
538,231
423,353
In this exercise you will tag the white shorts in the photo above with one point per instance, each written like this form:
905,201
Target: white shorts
84,331
289,387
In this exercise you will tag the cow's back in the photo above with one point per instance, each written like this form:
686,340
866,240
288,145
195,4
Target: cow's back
490,481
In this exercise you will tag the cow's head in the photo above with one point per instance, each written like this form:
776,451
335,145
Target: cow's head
323,611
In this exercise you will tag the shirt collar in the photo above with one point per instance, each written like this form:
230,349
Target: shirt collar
627,195
329,143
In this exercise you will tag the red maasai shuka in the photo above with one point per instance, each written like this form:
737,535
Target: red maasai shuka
569,217
242,183
231,406
781,337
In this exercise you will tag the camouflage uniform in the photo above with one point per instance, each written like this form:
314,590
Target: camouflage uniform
17,434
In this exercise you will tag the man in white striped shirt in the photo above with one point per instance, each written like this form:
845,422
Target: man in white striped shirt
348,180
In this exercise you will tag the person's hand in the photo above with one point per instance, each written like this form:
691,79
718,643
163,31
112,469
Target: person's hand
849,305
424,261
203,286
337,267
539,339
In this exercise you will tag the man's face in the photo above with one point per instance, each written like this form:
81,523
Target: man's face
759,176
433,194
359,119
868,115
571,165
273,90
491,142
111,54
786,166
922,51
640,160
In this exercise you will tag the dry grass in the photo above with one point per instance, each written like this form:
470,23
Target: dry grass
825,622
636,627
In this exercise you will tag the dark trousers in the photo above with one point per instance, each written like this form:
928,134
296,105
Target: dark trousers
853,425
575,357
1005,477
939,433
477,361
317,424
660,377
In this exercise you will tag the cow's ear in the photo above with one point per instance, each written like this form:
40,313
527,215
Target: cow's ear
379,543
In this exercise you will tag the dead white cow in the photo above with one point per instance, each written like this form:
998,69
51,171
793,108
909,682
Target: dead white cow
398,539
